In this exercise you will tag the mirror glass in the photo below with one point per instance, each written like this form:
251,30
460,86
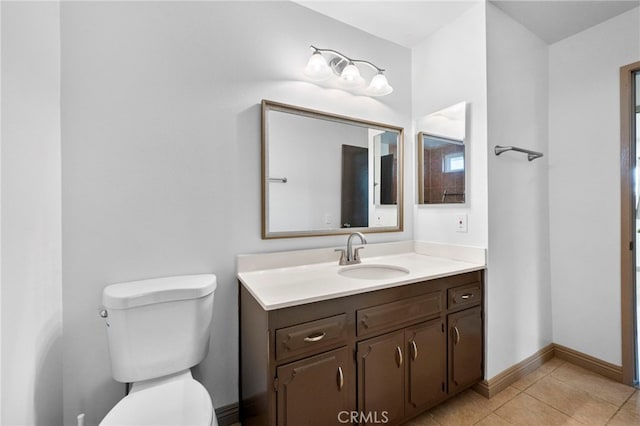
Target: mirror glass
441,156
326,174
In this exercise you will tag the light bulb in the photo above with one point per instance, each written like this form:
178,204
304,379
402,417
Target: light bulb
379,86
317,68
350,76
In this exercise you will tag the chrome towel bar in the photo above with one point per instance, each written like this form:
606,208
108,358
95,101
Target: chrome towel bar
283,180
531,155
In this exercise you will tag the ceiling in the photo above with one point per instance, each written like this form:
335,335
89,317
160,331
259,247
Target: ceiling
553,21
407,23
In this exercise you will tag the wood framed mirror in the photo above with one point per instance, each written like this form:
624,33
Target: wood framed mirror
441,157
327,174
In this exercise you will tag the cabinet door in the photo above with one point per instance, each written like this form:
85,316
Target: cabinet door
465,348
381,378
313,391
426,364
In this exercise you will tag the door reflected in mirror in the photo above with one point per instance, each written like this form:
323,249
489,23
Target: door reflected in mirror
441,157
326,174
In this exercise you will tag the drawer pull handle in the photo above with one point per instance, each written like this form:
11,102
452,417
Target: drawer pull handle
414,350
457,333
399,356
340,379
315,337
466,296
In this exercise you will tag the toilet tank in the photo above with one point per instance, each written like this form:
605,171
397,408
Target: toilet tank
159,326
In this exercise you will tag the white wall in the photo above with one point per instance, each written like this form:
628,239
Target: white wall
518,313
31,227
584,182
161,156
447,68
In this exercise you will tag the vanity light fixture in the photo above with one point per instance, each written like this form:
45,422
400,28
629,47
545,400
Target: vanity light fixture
317,68
321,68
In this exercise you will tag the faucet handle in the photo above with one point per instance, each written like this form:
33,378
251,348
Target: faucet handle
356,254
343,260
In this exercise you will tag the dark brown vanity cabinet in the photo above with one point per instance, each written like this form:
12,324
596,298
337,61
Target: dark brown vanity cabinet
378,357
381,375
465,348
426,365
402,372
302,384
465,328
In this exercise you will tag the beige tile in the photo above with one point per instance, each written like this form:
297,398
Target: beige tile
595,384
573,402
493,420
633,404
526,410
425,419
501,398
529,379
545,369
552,364
625,418
465,409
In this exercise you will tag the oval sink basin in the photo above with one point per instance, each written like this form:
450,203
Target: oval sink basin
373,272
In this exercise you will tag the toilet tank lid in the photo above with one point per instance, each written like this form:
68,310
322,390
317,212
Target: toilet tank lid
157,290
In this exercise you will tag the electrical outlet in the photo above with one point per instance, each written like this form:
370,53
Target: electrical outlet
461,223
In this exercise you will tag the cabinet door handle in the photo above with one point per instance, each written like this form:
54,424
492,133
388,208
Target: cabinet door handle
414,350
457,333
315,337
466,296
340,379
398,356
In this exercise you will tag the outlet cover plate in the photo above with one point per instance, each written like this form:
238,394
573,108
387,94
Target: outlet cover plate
461,222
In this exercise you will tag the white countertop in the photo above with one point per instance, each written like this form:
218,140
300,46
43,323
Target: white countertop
282,287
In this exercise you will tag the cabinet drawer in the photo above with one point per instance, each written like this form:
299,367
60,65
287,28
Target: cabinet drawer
397,313
310,336
466,295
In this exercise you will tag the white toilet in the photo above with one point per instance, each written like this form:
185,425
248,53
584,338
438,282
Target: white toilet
157,330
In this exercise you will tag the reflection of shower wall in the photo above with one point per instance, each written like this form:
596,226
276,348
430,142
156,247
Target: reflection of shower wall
437,181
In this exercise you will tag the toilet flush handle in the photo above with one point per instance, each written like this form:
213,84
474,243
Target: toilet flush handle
103,313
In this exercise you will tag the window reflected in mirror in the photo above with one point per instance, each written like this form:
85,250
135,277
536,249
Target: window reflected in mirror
441,157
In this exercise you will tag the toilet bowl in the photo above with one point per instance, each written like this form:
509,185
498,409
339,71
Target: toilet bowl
157,330
177,400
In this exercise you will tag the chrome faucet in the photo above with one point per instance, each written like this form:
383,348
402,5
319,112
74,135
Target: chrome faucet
351,256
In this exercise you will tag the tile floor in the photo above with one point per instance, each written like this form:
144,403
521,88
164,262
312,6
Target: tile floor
557,393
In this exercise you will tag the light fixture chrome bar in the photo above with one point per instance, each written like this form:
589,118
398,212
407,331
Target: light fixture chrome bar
362,61
348,59
531,155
